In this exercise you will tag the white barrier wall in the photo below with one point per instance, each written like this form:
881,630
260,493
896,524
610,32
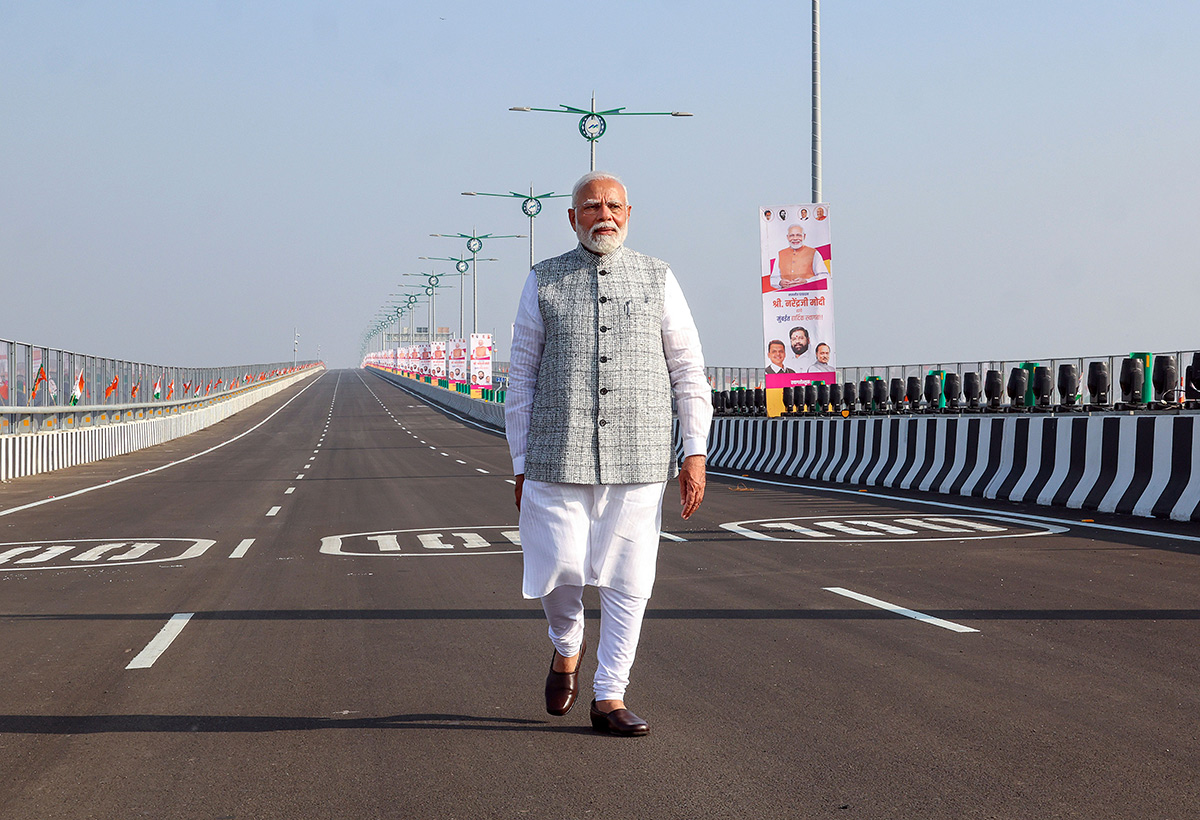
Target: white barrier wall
29,454
1146,465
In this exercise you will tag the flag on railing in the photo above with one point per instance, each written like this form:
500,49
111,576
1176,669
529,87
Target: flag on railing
41,377
157,394
133,390
108,391
170,389
186,387
77,392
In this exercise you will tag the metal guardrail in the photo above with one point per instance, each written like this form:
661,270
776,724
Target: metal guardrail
728,378
38,387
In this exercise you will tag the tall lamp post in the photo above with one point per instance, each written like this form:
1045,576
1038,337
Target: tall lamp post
462,266
531,206
592,124
431,288
295,345
474,246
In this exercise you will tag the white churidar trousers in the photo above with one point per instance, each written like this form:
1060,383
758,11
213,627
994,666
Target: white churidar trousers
605,535
620,627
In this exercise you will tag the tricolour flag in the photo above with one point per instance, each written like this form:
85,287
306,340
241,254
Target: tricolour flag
157,394
108,391
77,391
133,390
170,389
41,377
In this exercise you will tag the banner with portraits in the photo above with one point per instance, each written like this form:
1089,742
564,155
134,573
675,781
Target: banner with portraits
456,361
437,361
424,353
797,293
481,360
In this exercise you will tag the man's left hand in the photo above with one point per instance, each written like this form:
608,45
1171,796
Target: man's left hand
691,484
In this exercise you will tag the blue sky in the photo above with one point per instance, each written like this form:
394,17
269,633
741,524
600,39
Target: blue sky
183,183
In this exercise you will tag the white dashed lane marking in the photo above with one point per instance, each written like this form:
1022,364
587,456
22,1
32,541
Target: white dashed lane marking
273,512
159,643
899,610
241,549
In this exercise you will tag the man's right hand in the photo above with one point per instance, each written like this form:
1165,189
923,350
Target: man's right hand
520,482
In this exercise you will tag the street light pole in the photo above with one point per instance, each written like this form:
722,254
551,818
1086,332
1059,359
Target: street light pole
531,206
592,124
816,100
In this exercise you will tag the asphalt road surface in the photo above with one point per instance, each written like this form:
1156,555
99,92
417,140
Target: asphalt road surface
313,610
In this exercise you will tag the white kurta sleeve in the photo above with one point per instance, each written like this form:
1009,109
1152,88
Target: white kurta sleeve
525,358
685,363
818,263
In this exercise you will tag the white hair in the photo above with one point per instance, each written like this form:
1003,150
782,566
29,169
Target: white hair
593,176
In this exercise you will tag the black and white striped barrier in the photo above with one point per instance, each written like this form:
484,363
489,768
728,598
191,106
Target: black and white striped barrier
29,454
1142,465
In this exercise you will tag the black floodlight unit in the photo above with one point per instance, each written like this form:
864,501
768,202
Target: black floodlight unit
933,392
718,403
760,401
866,393
1018,385
1191,383
835,397
913,393
953,389
731,407
848,394
822,397
789,401
742,406
810,399
896,394
993,389
879,395
1043,388
1132,381
1165,378
1098,385
971,390
1068,386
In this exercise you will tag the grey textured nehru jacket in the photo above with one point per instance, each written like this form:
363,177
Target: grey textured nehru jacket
602,407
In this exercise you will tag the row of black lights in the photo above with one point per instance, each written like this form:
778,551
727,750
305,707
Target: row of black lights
876,396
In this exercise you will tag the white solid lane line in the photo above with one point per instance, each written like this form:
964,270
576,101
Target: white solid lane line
899,610
671,537
241,549
146,658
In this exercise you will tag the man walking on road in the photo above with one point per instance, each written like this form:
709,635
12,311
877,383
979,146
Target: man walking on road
602,336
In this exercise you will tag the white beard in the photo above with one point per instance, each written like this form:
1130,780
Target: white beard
604,244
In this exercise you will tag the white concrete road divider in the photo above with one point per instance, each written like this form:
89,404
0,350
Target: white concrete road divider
29,454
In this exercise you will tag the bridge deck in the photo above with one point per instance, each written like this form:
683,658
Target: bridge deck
317,614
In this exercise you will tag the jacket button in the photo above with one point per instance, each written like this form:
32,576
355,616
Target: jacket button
603,329
603,299
603,391
604,273
603,422
603,359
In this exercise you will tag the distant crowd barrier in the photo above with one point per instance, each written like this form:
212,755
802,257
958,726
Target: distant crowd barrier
44,428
